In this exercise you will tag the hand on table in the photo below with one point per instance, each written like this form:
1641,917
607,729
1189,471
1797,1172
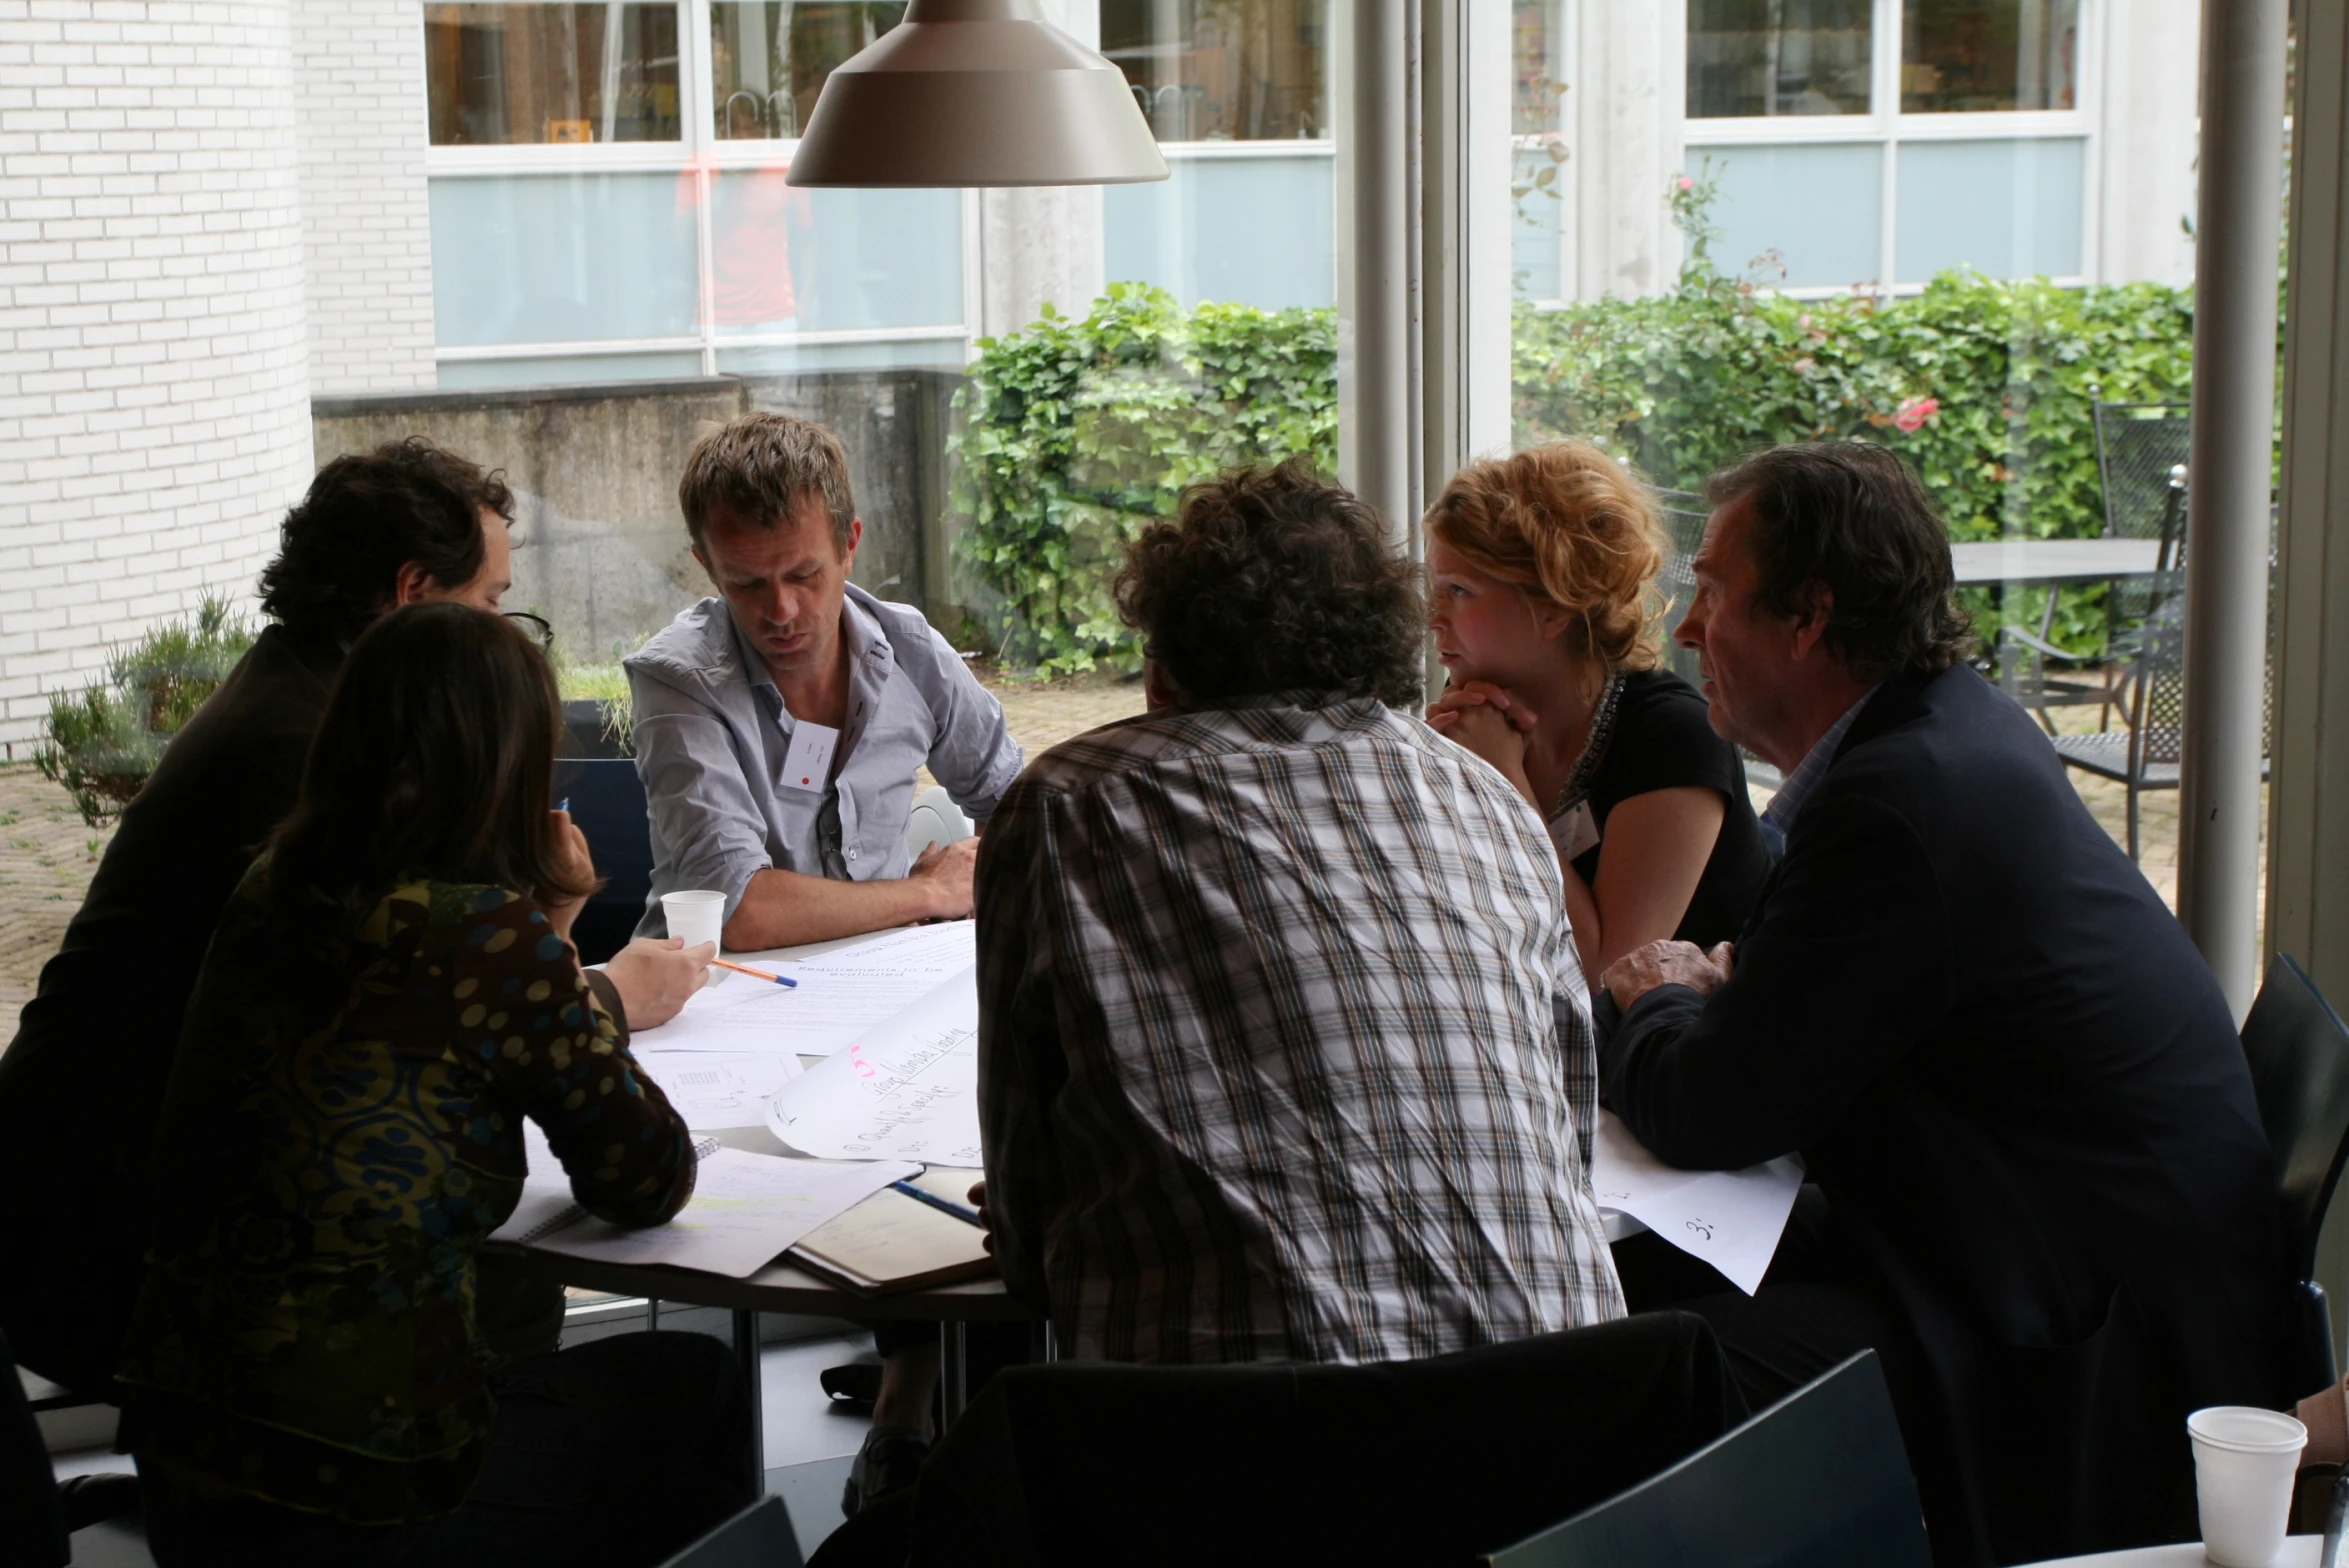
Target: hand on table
655,976
978,1197
1643,969
946,868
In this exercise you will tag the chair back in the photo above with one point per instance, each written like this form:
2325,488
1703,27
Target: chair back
935,819
608,804
2140,448
758,1537
2157,673
32,1514
2298,1050
1818,1480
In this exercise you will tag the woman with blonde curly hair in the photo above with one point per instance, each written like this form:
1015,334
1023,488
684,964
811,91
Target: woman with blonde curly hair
1542,570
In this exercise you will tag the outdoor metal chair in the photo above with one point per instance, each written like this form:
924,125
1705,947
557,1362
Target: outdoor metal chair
1818,1480
1683,513
2298,1049
2144,756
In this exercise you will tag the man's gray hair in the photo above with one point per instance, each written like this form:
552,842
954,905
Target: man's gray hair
759,468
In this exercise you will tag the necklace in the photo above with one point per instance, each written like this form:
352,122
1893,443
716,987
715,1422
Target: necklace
1602,726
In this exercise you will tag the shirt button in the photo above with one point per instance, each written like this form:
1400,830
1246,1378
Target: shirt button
852,854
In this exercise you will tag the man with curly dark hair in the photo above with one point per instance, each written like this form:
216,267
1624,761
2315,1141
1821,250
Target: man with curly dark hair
1281,1022
2042,1192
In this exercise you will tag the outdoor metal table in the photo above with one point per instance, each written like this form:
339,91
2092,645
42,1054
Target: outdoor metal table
1992,561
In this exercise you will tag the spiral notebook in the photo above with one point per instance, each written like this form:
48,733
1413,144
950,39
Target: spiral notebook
891,1242
745,1210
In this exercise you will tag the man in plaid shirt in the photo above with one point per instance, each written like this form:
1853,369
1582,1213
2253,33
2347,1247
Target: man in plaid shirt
1284,1048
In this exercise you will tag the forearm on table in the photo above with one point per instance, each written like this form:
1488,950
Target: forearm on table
786,908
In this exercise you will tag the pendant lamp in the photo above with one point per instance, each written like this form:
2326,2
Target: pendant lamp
976,92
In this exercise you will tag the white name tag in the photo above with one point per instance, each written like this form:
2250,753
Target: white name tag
808,764
1574,832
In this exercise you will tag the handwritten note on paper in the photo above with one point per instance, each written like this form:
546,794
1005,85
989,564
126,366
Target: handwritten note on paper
1730,1219
715,1089
905,1090
840,995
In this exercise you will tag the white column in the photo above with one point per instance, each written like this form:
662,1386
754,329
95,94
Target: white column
1377,423
2239,224
1042,245
1465,241
1627,108
366,218
2152,53
154,400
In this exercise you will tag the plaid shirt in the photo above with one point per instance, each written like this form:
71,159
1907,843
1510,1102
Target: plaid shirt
1284,1050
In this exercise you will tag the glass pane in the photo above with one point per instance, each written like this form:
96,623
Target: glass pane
570,370
1247,231
1959,56
769,61
1798,217
1223,70
784,259
2012,209
498,74
560,258
1537,192
1538,52
1750,58
779,359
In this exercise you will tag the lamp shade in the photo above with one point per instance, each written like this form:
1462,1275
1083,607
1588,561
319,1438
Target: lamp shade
976,92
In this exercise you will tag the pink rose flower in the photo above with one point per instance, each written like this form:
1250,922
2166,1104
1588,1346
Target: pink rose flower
1912,415
1687,184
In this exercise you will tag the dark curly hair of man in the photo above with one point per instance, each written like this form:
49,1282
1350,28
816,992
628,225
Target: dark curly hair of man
1274,580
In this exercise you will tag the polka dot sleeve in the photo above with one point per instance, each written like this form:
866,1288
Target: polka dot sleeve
526,1014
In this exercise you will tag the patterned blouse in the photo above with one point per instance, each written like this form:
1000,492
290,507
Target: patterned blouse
344,1126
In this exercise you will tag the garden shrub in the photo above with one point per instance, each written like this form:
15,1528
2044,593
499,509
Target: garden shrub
102,743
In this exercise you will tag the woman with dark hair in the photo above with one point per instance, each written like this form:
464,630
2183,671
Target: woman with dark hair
390,994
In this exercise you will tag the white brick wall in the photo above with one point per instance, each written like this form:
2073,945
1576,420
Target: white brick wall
154,402
366,229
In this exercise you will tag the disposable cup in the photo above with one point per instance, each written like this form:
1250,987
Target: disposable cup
695,917
2244,1463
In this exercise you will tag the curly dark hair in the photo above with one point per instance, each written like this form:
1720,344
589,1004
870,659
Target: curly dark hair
1274,579
1852,518
367,515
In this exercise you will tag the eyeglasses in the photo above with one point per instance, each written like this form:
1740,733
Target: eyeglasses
534,627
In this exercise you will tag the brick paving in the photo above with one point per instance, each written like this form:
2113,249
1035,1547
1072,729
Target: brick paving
47,853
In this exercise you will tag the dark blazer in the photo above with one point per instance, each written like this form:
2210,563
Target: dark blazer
2022,1092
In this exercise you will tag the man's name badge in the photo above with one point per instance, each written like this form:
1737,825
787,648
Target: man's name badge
808,764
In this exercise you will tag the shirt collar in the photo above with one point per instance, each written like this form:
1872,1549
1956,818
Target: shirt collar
1780,813
860,630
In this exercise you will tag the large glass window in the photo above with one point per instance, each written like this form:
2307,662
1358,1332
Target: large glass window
1773,57
1972,56
1223,70
770,60
503,74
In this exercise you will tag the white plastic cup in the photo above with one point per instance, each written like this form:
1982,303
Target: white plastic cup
696,917
2245,1460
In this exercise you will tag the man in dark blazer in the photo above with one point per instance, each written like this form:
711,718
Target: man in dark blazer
2018,1089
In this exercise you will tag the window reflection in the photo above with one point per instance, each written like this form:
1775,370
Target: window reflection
1754,58
769,61
1960,56
500,74
1223,70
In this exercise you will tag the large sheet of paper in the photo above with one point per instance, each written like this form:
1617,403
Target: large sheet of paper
840,995
907,1089
718,1089
1730,1219
746,1209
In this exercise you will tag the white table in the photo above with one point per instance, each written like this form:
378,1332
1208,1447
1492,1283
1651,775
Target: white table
2299,1552
1990,561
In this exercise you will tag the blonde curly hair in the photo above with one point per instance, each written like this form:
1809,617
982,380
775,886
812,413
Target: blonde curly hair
1566,526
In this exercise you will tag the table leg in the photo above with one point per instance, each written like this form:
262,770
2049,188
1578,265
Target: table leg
1051,1341
746,1354
953,1370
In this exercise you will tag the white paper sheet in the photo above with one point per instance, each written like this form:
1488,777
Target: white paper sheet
1730,1219
840,995
745,1209
905,1090
716,1089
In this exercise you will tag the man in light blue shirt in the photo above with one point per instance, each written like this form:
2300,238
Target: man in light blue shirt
778,727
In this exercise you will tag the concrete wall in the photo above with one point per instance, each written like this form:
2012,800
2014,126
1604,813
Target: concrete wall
366,222
600,543
154,402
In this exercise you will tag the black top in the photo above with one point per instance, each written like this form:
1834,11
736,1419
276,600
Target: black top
2022,1093
1663,740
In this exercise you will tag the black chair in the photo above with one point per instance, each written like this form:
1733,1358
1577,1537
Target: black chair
608,804
1818,1480
32,1514
2298,1049
2146,755
758,1537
